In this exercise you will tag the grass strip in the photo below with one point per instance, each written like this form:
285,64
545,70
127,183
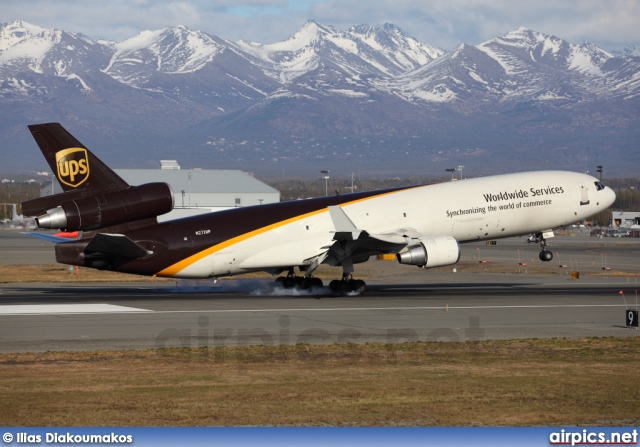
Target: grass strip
57,273
555,382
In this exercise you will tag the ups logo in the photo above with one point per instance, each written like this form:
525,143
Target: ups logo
73,166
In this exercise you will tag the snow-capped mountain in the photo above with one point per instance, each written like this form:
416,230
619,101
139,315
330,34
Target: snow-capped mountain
321,60
185,64
348,96
175,50
522,65
361,50
28,50
632,50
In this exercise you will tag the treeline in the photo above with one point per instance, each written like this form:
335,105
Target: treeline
623,183
294,189
17,193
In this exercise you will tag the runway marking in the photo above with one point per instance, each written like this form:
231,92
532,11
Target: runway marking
334,309
89,309
61,309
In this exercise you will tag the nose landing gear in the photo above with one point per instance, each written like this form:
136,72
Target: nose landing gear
545,255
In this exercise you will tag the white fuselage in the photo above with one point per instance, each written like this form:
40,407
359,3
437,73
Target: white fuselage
468,210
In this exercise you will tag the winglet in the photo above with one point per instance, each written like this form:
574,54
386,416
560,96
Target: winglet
345,229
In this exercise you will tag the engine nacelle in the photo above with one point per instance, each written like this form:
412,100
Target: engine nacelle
431,252
106,210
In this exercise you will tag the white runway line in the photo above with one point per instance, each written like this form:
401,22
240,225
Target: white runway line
58,309
359,309
67,309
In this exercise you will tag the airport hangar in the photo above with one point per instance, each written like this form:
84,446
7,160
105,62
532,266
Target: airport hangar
196,191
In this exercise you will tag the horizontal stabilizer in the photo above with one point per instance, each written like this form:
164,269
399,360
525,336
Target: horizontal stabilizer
47,237
116,245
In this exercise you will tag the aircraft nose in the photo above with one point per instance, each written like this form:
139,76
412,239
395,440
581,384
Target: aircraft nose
610,198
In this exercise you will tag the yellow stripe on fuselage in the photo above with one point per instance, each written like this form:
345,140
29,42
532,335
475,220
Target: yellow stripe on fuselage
179,266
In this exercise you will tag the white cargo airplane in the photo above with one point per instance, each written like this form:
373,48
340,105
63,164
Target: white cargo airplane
422,225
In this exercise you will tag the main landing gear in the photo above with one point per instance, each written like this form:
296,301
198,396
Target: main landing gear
348,285
344,286
301,282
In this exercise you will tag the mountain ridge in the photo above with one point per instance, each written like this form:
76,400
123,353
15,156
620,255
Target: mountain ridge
371,91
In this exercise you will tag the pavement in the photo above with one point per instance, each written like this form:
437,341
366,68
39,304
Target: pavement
488,295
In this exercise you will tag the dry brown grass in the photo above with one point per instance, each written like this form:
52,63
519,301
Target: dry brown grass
528,382
57,273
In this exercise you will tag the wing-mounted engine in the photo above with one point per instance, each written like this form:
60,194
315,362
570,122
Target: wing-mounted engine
431,252
106,210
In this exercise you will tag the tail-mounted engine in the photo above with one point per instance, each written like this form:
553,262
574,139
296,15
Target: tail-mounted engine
431,252
106,210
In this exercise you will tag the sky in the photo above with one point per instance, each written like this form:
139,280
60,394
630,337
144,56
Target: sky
610,24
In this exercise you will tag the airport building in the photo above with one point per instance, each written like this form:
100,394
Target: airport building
624,224
196,191
625,219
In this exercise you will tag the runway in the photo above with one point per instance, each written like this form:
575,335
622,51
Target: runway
250,312
402,303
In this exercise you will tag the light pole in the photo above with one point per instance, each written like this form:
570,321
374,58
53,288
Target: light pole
326,182
599,171
460,168
451,170
189,189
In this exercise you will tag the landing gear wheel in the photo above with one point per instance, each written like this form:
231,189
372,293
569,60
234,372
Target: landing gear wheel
339,286
347,285
358,286
291,281
335,285
309,282
546,255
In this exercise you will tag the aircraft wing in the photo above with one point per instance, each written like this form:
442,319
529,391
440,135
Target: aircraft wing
353,243
346,230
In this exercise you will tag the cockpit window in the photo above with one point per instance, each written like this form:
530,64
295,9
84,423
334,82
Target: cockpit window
599,186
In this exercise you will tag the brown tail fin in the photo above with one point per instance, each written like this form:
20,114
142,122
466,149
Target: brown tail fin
75,167
78,170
